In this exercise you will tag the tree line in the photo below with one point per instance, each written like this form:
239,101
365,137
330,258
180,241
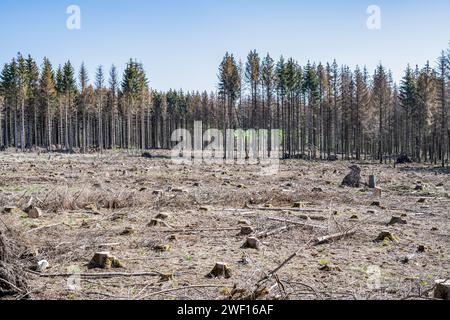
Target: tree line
323,110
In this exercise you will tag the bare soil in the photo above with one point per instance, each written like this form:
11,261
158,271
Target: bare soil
93,203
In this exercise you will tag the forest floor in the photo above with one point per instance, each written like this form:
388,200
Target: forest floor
93,203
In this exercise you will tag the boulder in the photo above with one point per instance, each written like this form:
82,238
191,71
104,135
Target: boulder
332,157
403,158
147,155
353,179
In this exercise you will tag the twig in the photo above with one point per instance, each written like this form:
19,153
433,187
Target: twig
292,256
7,228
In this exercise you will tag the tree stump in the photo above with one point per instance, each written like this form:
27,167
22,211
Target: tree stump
220,270
246,230
104,260
251,243
372,182
442,290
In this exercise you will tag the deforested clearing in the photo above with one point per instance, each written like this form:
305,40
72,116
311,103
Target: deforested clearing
169,231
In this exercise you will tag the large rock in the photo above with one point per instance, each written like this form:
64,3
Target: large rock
332,157
353,179
403,158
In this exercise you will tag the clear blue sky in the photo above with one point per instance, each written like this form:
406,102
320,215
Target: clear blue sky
181,42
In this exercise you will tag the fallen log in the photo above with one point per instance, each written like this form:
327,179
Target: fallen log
302,224
333,237
268,233
285,209
97,275
197,230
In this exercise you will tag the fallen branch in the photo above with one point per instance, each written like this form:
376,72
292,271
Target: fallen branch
285,209
97,275
302,224
285,262
266,234
45,227
198,230
333,237
181,288
6,226
11,285
303,216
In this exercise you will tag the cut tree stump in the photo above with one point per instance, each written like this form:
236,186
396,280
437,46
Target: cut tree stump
377,192
372,182
220,270
162,216
442,290
104,260
251,243
333,237
246,230
397,220
385,236
157,222
33,212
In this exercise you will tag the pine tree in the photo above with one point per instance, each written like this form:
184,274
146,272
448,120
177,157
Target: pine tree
99,86
84,82
48,96
70,90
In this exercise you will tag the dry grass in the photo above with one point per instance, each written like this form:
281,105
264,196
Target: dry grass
204,206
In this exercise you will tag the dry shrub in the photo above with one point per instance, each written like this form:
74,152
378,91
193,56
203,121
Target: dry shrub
75,199
12,277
